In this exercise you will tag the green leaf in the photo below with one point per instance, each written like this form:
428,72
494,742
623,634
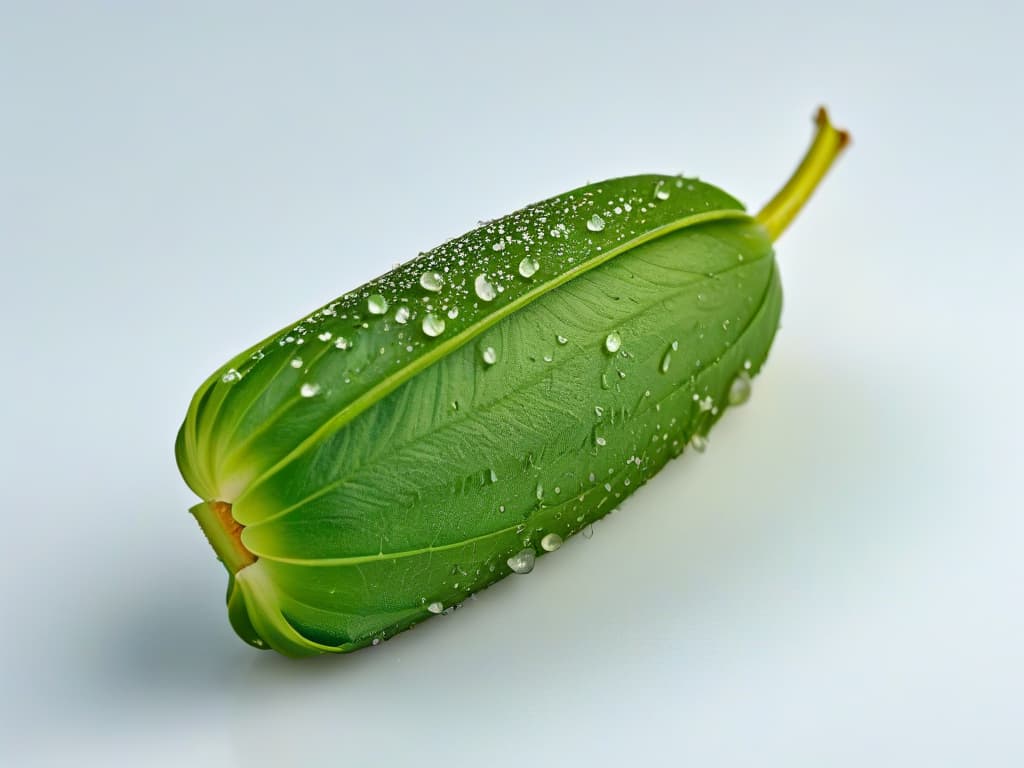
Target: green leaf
393,451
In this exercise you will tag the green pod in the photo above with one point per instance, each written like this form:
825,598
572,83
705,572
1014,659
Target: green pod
439,428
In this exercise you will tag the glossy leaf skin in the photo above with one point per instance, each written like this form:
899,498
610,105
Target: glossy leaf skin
405,469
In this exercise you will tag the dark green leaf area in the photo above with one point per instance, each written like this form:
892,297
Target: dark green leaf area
424,496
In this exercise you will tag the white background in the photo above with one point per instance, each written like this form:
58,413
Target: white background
837,581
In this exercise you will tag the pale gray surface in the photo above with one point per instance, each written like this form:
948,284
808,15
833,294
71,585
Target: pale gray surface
838,581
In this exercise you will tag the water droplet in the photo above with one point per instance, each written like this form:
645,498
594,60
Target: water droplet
342,343
598,411
551,542
489,355
746,365
561,339
706,404
231,376
600,441
325,336
666,362
484,289
402,315
453,313
431,281
377,304
523,561
612,342
660,192
675,346
595,223
296,362
376,641
739,390
528,267
493,476
436,607
699,443
309,389
432,324
588,531
498,246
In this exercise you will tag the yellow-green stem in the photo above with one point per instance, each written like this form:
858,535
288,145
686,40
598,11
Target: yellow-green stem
828,142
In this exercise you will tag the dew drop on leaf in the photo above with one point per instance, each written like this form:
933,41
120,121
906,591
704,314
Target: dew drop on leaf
489,356
528,267
432,324
431,281
523,561
699,443
484,288
551,542
595,223
342,343
376,304
613,342
739,390
309,389
402,315
435,607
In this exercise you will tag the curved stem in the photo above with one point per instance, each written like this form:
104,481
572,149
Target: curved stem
828,142
224,534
